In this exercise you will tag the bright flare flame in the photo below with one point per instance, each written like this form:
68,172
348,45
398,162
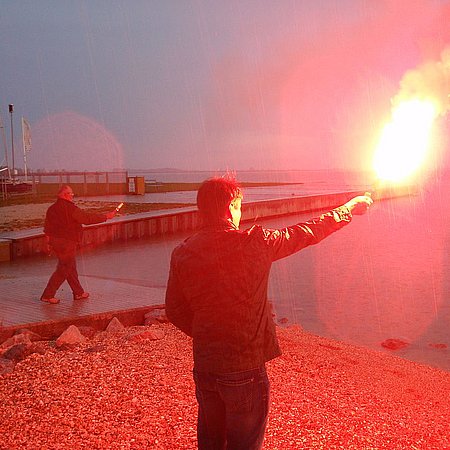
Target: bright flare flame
405,140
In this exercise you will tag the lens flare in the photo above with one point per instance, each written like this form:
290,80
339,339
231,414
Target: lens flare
405,140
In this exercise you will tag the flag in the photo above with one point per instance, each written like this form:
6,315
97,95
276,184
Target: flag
26,135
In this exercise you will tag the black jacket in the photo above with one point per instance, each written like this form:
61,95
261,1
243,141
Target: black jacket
64,220
217,289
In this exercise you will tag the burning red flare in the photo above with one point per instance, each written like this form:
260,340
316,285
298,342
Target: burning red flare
405,140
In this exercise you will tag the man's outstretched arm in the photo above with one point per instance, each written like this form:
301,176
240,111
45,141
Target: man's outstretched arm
286,241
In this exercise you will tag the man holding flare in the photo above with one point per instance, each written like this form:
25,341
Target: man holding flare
63,229
217,294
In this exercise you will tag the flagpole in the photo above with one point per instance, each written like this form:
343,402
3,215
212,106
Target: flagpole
24,152
11,110
26,143
5,145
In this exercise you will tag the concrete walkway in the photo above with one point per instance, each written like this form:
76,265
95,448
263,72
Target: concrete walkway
124,280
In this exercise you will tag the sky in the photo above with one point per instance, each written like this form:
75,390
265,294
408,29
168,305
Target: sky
212,84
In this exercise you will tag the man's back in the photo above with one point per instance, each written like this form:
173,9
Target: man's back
224,276
64,220
59,221
217,293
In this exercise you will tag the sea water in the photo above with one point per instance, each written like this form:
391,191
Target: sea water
384,279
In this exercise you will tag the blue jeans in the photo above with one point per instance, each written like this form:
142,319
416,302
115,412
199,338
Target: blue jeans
232,409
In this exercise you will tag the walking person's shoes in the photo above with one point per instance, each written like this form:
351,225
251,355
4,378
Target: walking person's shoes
52,300
82,296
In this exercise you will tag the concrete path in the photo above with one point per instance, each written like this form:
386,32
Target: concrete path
121,279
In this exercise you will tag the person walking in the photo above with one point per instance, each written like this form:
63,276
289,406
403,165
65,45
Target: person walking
217,294
63,230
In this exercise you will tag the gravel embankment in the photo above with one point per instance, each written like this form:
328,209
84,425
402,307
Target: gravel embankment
113,393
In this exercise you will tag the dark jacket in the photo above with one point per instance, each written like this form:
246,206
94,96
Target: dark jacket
64,220
217,289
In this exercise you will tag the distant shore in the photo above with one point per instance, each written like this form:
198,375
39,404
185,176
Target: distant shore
176,187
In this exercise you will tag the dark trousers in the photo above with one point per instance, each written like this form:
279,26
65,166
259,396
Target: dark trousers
66,268
232,409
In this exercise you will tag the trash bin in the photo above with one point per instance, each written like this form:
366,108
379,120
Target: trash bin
5,250
136,185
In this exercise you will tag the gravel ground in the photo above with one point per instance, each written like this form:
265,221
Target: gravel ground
112,392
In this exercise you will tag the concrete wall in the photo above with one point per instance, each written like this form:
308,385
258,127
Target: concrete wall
145,225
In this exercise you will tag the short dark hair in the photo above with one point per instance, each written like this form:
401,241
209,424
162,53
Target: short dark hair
63,188
215,195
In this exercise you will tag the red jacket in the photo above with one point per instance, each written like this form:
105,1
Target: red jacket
217,289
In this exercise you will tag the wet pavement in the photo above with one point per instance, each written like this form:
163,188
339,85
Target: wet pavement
117,277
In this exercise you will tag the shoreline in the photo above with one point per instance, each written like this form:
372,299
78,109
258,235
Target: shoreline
125,393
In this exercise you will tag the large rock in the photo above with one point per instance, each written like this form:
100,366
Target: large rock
31,334
114,326
20,345
16,339
87,331
394,344
40,347
6,366
17,352
155,316
21,350
152,334
70,337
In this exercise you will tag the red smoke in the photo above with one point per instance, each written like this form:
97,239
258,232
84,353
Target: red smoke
303,101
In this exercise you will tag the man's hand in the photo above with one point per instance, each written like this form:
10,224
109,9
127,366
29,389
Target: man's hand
359,205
